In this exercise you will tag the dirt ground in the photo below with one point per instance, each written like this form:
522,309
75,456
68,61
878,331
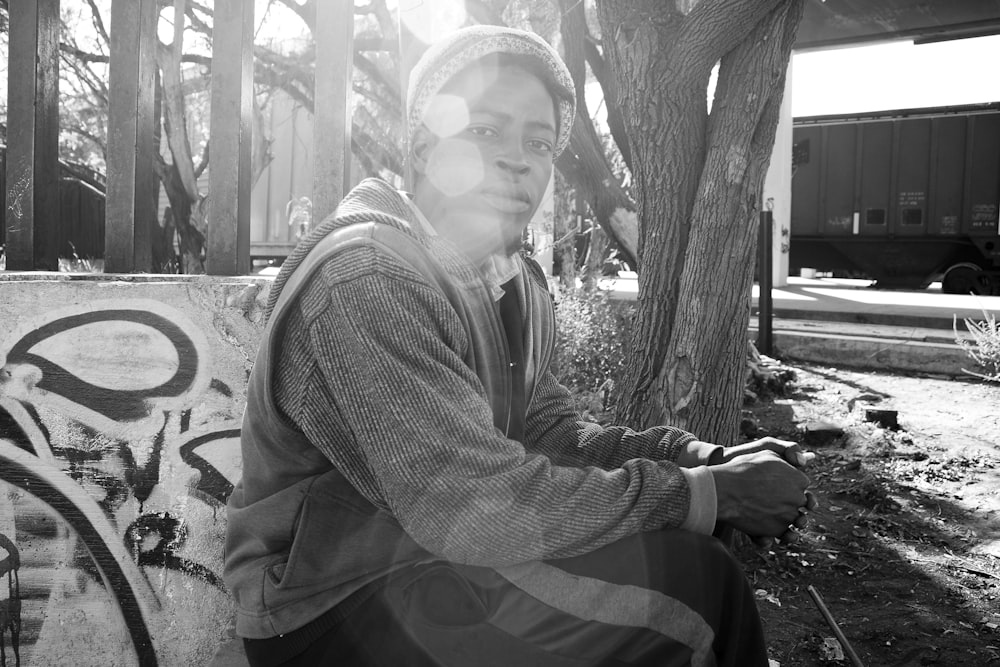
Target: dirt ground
905,548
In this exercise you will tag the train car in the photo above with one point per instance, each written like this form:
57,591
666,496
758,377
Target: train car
903,197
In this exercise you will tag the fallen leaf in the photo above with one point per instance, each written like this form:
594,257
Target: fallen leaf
831,650
764,595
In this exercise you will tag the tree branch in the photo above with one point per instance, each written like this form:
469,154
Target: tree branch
485,13
715,27
203,162
88,57
588,169
305,11
616,123
175,122
98,22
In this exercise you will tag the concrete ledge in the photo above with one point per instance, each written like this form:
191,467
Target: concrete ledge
916,320
121,400
871,353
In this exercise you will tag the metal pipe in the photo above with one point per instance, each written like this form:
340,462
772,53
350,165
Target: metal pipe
765,312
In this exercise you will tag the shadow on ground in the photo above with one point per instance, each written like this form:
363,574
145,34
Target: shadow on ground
895,558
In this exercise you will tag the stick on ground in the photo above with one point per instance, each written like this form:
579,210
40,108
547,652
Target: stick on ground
838,633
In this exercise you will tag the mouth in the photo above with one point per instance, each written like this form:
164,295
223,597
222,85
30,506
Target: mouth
510,200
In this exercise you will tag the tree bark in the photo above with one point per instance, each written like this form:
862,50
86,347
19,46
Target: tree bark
697,182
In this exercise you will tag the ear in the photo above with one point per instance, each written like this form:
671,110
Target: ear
420,149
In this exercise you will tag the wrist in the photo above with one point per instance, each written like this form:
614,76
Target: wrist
724,507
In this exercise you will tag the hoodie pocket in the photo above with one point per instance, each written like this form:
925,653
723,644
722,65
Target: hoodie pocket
338,536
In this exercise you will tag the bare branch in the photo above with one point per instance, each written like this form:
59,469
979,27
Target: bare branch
587,167
364,43
202,162
484,11
88,57
616,123
371,70
98,22
98,141
169,59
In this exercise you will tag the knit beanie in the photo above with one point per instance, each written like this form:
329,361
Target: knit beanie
451,55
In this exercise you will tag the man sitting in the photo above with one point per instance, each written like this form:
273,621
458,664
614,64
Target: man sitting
417,489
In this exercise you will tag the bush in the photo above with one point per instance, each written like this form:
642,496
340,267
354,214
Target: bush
984,348
592,342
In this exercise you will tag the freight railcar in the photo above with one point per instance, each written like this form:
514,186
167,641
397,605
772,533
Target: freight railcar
903,197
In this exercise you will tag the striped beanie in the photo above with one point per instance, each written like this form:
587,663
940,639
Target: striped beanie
451,55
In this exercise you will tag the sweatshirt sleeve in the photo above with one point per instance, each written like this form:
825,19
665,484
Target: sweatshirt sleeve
390,352
555,429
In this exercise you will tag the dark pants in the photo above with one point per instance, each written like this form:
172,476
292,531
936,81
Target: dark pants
662,598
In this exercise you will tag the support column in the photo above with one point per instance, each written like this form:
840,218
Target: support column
332,109
131,180
778,186
33,136
230,170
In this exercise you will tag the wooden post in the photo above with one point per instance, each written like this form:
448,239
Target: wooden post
332,109
33,136
231,130
131,181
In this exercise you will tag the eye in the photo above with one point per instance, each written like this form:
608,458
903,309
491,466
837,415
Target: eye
483,131
540,145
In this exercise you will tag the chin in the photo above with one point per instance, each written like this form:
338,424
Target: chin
513,246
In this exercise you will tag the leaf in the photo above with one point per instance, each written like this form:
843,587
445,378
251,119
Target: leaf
831,650
764,595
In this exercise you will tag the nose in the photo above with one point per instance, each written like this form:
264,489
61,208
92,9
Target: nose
512,159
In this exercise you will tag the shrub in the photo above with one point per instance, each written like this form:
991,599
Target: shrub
592,342
984,348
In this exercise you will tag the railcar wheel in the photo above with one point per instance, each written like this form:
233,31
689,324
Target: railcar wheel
967,278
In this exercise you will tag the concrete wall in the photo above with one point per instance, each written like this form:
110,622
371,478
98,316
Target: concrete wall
120,404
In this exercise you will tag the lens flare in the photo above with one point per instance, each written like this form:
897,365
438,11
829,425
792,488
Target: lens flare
455,167
446,115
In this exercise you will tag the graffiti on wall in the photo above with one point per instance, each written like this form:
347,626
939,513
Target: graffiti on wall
118,449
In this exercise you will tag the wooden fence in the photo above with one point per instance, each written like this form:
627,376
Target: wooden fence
80,232
35,227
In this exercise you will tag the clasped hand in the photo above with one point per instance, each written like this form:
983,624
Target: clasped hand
762,491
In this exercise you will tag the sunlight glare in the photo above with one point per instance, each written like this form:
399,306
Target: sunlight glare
455,167
165,25
428,21
446,115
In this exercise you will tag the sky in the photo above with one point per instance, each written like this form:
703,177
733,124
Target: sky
896,75
887,75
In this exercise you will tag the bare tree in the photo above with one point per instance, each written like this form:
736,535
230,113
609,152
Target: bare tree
697,179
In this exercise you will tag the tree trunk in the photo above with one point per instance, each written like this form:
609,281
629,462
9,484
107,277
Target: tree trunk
697,179
178,178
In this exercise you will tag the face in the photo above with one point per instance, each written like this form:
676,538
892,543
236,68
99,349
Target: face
484,158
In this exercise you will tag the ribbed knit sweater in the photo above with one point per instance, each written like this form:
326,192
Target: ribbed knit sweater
389,371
